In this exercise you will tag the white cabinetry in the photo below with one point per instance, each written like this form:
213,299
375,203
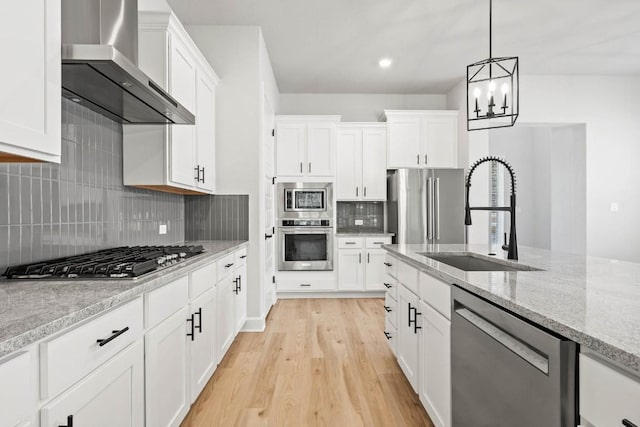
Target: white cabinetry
225,308
362,162
419,139
361,263
608,395
409,323
202,346
391,304
18,395
167,394
173,158
112,395
305,146
30,89
240,298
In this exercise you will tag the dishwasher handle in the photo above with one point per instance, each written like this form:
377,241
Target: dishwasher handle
518,347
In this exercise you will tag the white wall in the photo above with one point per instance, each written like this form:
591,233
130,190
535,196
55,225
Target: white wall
234,53
354,107
607,106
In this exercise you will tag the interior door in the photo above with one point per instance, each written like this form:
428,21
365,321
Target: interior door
374,164
268,133
321,149
349,170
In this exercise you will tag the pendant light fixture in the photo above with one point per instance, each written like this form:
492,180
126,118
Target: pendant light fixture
492,90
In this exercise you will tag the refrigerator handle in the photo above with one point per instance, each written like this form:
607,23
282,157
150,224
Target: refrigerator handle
436,208
429,210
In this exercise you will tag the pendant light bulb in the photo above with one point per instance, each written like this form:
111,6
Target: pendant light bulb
505,88
476,93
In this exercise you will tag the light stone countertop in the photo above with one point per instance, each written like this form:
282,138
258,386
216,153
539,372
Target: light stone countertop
592,301
363,234
34,309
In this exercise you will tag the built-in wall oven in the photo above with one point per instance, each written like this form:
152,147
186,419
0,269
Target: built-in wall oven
305,200
305,244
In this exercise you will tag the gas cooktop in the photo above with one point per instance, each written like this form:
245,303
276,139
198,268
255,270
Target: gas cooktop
116,263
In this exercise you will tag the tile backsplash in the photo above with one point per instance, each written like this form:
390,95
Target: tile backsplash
81,205
218,217
370,213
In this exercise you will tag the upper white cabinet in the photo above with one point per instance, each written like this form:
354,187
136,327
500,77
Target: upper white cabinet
418,139
173,158
305,146
30,89
362,162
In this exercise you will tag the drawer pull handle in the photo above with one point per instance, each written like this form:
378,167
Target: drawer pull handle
116,334
199,325
191,322
388,309
228,265
387,334
627,423
243,257
387,264
349,243
69,421
378,243
305,284
386,285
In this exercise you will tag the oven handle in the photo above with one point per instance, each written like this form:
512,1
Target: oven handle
306,230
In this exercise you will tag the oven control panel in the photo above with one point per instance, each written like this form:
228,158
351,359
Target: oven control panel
306,223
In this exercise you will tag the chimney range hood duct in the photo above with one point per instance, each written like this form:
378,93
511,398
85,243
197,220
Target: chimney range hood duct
99,65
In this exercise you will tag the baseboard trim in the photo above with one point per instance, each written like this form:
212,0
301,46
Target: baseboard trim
336,294
254,324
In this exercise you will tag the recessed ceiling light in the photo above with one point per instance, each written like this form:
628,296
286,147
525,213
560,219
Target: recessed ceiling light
384,63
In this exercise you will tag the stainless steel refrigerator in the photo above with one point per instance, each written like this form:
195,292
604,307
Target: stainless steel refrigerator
426,205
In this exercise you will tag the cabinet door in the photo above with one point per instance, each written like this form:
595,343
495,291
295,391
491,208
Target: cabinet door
350,270
182,86
112,395
349,171
321,149
374,164
240,299
408,334
290,149
375,271
167,394
404,142
30,118
441,141
18,389
225,315
202,349
435,366
206,132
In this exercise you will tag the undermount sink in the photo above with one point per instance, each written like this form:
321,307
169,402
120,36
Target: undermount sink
472,262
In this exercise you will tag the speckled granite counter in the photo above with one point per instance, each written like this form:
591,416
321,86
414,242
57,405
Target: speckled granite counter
33,309
592,301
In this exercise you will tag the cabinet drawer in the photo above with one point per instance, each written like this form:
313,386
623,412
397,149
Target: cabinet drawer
226,265
202,280
436,293
66,358
391,265
350,243
391,333
408,276
306,285
16,375
607,396
240,257
391,286
376,242
163,302
390,306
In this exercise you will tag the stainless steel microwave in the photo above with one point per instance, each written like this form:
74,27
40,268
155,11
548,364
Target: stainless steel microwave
305,200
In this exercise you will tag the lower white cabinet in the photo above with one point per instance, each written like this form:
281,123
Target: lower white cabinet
17,390
201,344
409,324
225,315
240,298
112,395
361,263
167,394
435,365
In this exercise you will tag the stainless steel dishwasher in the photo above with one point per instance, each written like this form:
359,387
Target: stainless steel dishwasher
507,372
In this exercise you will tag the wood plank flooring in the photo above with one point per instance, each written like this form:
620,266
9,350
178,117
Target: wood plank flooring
320,362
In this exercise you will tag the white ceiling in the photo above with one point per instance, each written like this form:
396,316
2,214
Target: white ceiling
333,46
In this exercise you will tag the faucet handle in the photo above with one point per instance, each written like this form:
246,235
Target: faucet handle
505,247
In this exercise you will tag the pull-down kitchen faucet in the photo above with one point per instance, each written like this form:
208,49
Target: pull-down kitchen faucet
512,247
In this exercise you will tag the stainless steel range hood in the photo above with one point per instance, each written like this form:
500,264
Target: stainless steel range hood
99,65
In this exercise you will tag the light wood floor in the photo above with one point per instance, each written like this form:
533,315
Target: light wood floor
320,362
